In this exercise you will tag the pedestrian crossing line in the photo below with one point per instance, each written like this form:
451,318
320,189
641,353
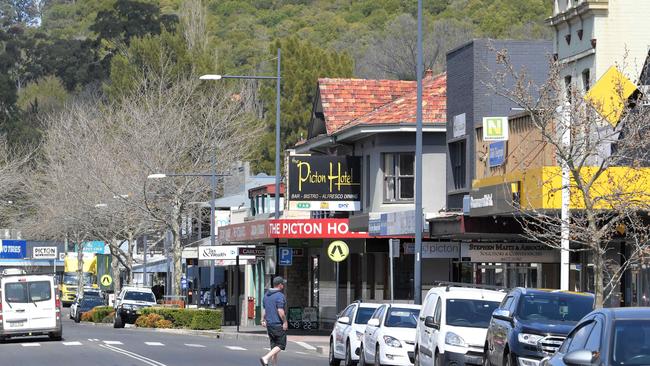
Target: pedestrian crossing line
236,348
158,344
306,346
71,343
301,353
31,344
93,339
113,342
194,345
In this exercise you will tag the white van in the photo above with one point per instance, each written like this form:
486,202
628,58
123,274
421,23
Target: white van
29,306
453,323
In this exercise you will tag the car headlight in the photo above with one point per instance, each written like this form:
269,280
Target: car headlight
531,339
454,339
359,335
393,342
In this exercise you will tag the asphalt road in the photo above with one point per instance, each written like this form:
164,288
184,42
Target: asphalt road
86,344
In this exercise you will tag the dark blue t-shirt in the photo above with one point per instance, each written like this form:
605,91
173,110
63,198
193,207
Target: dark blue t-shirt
274,300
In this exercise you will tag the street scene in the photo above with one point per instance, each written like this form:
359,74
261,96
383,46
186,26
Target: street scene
367,182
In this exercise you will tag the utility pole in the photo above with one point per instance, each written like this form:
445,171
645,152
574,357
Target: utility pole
418,167
278,173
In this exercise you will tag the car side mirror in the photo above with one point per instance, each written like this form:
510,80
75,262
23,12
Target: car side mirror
344,320
502,314
579,358
430,323
373,322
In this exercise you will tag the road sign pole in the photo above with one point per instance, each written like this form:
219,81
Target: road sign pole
237,290
390,254
337,288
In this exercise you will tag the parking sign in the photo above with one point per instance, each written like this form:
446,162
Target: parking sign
286,256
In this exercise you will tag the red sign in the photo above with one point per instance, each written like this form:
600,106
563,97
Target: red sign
313,229
247,231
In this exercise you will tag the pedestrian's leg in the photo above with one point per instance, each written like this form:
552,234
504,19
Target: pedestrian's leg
271,356
275,359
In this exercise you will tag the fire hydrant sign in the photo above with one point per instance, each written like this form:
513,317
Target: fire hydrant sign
44,253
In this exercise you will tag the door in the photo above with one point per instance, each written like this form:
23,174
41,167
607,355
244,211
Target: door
372,332
428,345
14,305
422,331
41,305
340,330
498,330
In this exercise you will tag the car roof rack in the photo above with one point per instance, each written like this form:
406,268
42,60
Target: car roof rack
449,285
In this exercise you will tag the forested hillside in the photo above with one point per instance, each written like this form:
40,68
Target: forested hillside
53,51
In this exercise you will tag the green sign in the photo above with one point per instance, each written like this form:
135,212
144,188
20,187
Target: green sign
495,128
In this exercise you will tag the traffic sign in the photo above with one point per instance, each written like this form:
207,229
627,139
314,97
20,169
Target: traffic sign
106,280
184,282
338,250
286,256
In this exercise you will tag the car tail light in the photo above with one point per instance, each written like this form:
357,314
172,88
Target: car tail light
58,303
0,309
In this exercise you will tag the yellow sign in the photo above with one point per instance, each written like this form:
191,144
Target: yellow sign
106,280
609,94
338,251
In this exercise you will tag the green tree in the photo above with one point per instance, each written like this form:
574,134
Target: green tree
302,64
45,95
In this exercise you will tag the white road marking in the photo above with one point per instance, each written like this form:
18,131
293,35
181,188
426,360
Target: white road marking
154,344
235,348
301,353
31,344
194,345
71,343
136,356
306,346
267,348
93,339
112,342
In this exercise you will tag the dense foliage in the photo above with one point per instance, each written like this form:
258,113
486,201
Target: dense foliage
52,50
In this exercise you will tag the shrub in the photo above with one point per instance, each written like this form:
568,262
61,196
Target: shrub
108,319
163,323
148,321
188,318
87,316
100,312
206,319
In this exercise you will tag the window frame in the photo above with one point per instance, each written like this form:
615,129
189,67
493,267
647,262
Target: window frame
396,177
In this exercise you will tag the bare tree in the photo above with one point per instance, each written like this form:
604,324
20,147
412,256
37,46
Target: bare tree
606,165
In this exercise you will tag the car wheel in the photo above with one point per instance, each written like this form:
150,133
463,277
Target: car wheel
118,322
348,355
77,318
332,359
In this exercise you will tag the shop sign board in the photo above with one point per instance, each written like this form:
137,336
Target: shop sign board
222,252
459,125
491,200
13,249
510,253
313,229
325,183
286,256
247,231
270,260
44,253
440,250
495,128
497,153
257,252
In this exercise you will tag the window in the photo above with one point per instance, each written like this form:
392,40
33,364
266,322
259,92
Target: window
139,296
363,315
458,163
630,342
580,337
367,188
593,342
402,318
437,314
567,88
470,313
399,178
586,80
40,291
507,302
16,292
555,307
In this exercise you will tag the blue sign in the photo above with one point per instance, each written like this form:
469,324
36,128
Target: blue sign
13,249
184,282
94,246
286,256
497,153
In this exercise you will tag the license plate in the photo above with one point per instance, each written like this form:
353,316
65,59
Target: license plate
16,324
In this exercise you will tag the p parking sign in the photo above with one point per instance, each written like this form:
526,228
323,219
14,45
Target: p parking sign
495,128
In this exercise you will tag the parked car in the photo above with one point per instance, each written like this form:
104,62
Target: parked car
129,301
29,305
348,331
389,338
531,324
617,336
88,292
452,324
84,305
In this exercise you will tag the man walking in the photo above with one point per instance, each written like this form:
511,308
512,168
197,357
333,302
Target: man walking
274,318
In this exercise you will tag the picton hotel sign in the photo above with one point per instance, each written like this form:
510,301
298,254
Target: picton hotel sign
325,183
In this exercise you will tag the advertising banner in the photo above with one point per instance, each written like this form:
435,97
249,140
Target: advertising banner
224,252
442,250
495,128
13,249
44,253
510,253
325,183
313,229
497,154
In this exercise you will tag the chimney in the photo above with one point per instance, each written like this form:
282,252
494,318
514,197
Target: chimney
428,74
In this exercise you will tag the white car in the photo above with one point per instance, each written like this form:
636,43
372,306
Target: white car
29,305
389,338
453,324
129,302
348,331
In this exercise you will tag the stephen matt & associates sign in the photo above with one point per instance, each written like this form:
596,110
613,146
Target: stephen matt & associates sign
325,183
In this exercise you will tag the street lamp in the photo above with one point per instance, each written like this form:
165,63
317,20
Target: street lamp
213,188
277,79
418,166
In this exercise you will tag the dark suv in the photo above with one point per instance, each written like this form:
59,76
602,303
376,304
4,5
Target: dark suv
532,324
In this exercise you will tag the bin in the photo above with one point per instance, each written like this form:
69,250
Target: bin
251,308
229,315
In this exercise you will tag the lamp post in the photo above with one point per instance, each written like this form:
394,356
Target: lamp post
418,167
213,188
277,79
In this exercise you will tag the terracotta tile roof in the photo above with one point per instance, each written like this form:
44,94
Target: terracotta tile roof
350,102
344,100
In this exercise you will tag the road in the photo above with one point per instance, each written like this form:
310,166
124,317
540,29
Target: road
87,344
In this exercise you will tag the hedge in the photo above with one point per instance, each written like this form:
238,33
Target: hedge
99,314
181,318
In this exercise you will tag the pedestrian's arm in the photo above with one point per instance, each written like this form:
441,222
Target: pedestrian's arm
283,317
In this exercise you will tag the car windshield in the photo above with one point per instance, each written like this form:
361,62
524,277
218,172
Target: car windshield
22,292
363,315
555,307
91,302
72,278
470,313
139,296
402,318
631,339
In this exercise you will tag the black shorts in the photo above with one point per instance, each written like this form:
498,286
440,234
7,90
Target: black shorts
277,336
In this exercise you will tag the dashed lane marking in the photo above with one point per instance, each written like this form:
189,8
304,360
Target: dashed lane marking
195,345
158,344
306,346
235,348
113,342
145,360
31,344
93,339
301,353
71,343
